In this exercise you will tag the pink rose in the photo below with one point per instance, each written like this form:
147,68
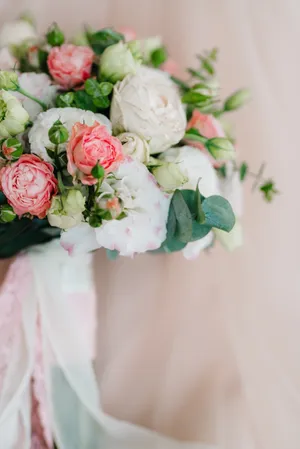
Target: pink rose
209,127
90,145
128,33
29,185
70,65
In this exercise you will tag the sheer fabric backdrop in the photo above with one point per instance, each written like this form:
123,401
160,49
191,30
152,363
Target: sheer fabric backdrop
209,350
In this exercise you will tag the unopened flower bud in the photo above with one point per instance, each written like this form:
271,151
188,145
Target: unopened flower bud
8,80
7,213
237,100
98,172
221,148
58,133
55,36
12,149
169,176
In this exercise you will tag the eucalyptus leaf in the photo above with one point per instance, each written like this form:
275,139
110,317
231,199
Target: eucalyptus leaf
218,213
200,215
112,254
200,231
171,245
183,218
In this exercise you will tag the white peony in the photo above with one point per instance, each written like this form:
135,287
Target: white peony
7,60
148,104
17,32
38,135
198,168
40,86
142,230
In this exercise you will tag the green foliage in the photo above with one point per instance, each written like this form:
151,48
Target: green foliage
83,101
42,58
112,254
65,100
102,39
99,93
268,189
243,171
159,56
218,213
55,36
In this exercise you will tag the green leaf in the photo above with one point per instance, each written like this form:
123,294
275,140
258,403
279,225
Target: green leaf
91,87
43,57
112,254
171,223
183,218
193,134
243,171
193,97
105,88
222,171
172,244
196,74
185,87
200,215
101,102
218,213
102,39
65,100
159,56
200,231
268,189
84,101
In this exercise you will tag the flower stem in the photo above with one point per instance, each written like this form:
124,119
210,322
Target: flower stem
31,97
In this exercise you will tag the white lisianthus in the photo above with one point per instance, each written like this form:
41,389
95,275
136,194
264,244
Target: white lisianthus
231,188
16,32
144,227
38,135
40,86
135,146
117,61
7,60
169,176
13,117
199,170
149,105
66,211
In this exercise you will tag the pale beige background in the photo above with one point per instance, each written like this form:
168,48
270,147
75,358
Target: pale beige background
209,349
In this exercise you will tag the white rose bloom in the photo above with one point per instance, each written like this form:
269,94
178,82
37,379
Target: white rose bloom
7,60
148,104
143,229
40,86
16,32
198,168
38,135
135,146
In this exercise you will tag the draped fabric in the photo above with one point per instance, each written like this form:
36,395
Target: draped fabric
209,350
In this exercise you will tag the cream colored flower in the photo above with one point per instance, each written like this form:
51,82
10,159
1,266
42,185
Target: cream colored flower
135,146
117,61
13,117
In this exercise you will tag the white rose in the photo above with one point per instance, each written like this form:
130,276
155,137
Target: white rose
16,32
169,176
40,86
135,146
199,170
38,135
148,104
7,60
117,61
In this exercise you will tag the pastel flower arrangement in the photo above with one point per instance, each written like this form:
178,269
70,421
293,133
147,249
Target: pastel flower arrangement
102,146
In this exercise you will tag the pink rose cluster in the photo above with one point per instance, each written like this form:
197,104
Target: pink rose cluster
70,65
29,185
89,146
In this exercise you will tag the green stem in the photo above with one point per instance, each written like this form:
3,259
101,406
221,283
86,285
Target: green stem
31,97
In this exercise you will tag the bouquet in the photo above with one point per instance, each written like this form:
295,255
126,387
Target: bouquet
103,146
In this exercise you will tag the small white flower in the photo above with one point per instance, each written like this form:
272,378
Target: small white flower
13,117
40,86
38,135
149,105
16,32
135,146
143,229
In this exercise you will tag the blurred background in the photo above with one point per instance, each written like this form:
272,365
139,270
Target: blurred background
193,349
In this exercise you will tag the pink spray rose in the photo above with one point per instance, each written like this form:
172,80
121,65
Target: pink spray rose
29,185
209,127
70,65
90,145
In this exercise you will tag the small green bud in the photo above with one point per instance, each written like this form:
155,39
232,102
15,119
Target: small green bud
98,171
7,214
159,56
58,133
221,149
12,149
65,100
55,36
9,80
237,100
